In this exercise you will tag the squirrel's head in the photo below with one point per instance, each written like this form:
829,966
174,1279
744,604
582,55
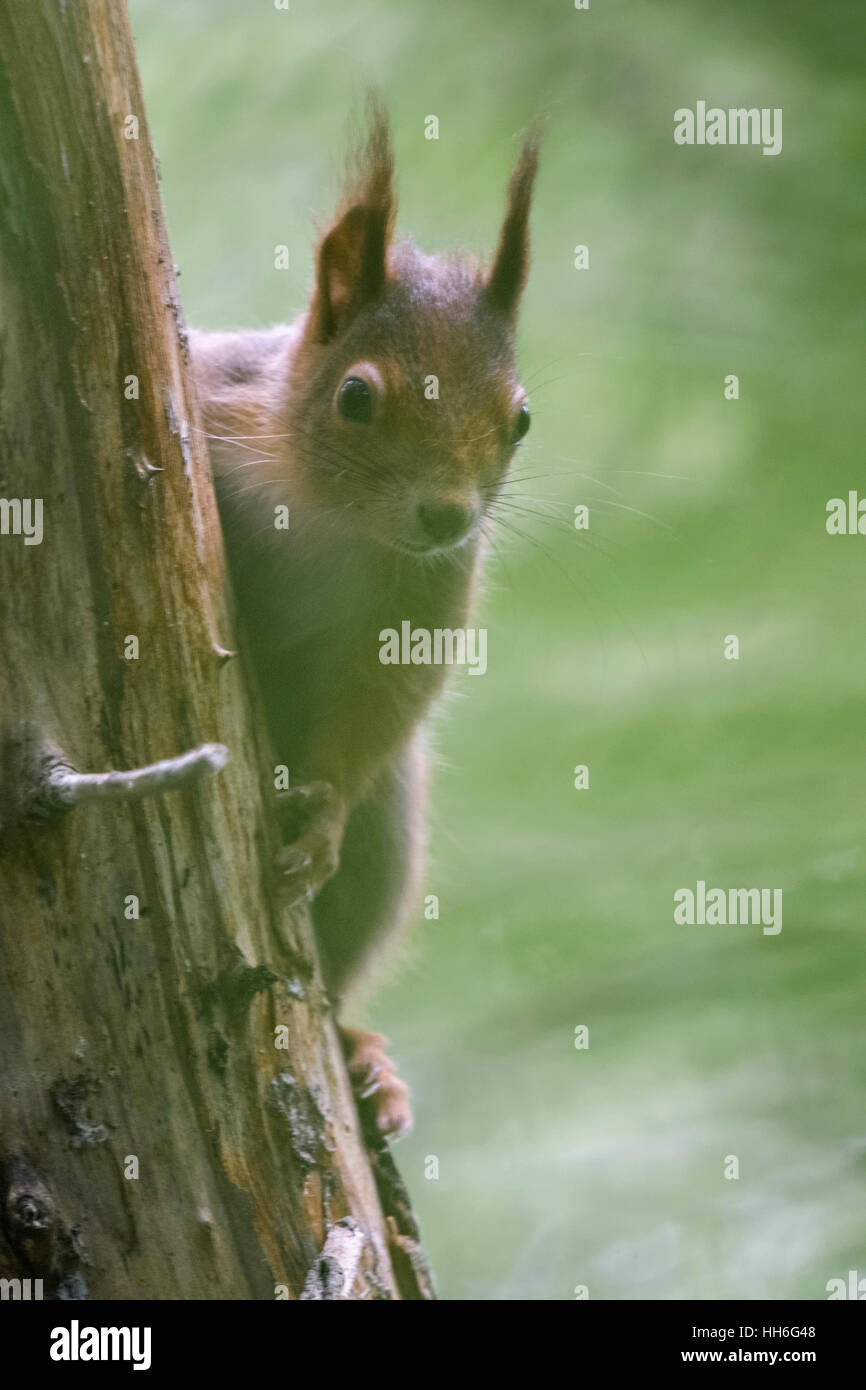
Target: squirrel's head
406,406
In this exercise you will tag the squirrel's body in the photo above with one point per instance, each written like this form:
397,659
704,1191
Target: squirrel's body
386,485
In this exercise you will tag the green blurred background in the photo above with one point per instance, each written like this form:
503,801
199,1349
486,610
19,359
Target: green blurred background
605,1167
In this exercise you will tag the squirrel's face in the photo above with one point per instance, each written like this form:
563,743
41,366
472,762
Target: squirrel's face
406,406
416,411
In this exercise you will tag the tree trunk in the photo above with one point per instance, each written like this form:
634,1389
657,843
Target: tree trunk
156,1140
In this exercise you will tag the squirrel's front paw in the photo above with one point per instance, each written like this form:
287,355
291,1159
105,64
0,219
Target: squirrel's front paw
374,1078
305,808
309,863
314,829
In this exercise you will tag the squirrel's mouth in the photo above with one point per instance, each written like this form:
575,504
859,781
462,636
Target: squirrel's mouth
420,551
413,548
414,552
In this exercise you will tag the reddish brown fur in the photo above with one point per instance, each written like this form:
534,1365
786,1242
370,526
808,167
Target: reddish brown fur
315,600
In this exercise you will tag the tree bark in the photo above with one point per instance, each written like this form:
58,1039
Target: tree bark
155,1141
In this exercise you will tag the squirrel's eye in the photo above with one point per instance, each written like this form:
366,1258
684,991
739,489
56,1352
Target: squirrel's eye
521,424
355,401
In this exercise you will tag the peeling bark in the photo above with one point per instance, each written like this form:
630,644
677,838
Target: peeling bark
140,1043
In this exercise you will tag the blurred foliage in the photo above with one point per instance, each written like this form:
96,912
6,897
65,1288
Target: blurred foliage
604,1167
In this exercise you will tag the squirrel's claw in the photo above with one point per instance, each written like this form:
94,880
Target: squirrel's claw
304,808
374,1078
307,864
313,832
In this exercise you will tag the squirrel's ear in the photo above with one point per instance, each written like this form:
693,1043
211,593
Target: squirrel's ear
352,256
511,262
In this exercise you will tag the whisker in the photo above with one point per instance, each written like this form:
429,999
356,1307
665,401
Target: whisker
540,385
597,543
640,473
247,463
471,440
545,367
587,477
262,482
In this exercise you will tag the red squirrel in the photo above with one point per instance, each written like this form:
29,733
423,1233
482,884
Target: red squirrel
387,491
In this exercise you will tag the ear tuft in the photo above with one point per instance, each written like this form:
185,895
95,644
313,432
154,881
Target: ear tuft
352,256
510,267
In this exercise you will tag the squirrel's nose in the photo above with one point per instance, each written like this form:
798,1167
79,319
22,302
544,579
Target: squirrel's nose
444,522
